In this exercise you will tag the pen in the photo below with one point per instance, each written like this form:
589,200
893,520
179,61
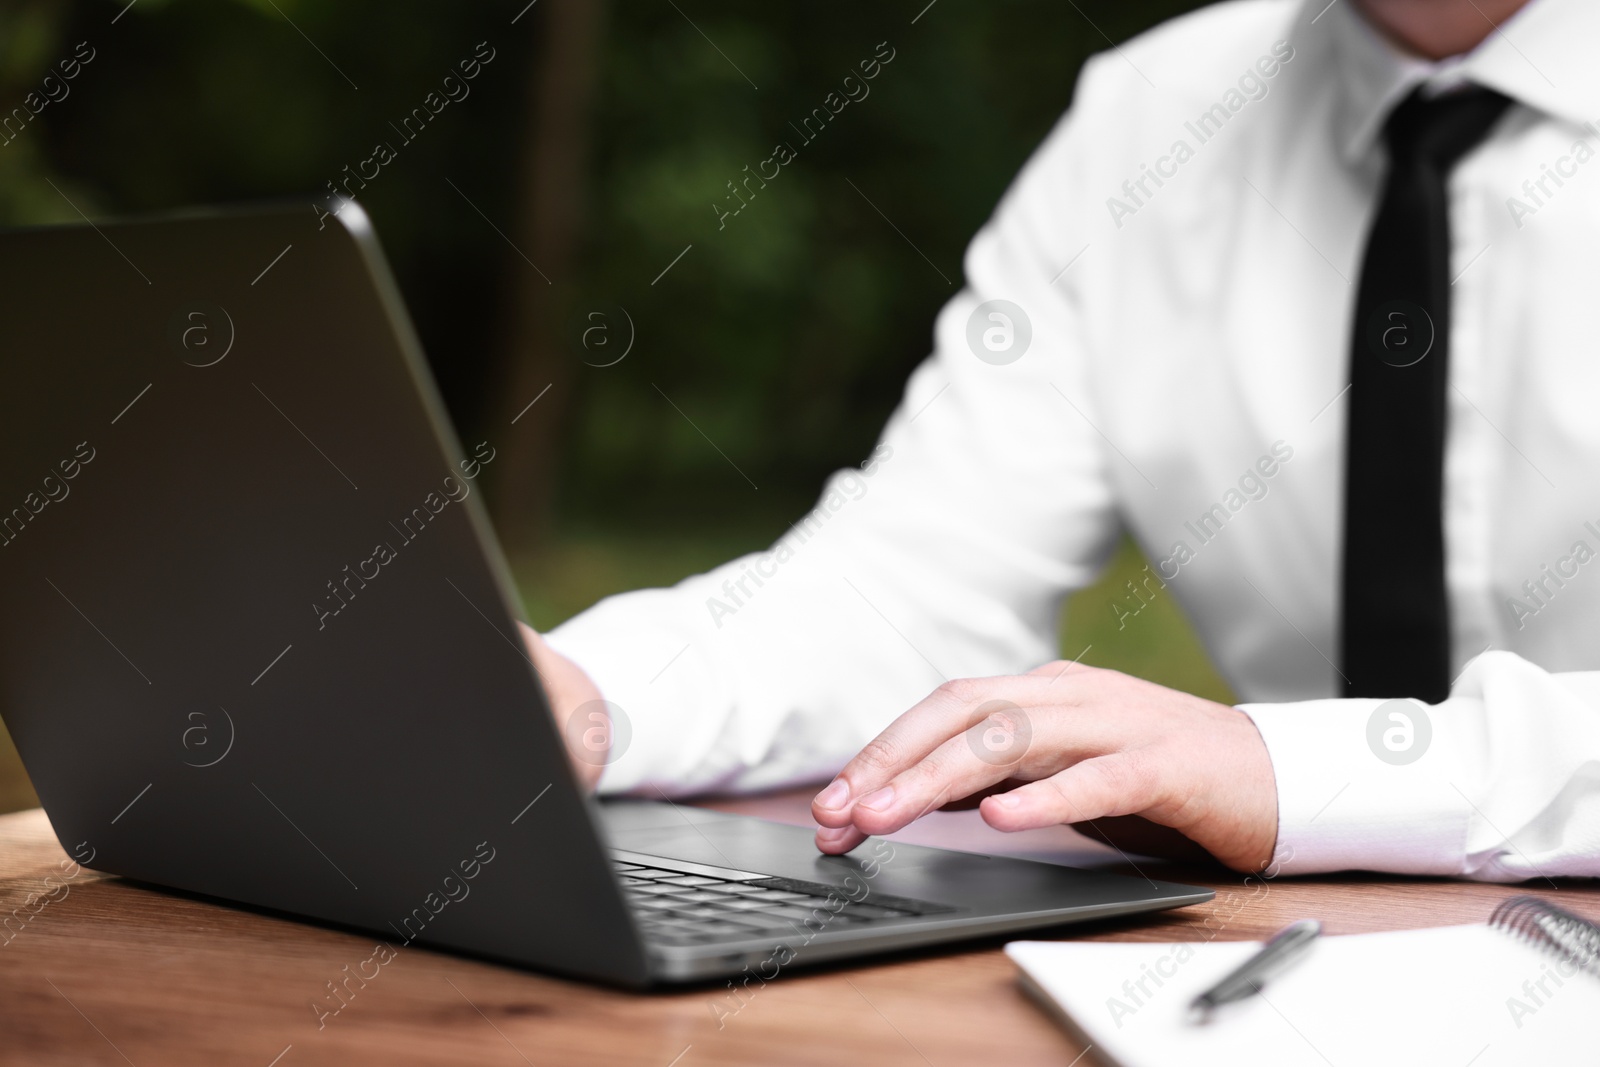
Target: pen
1285,947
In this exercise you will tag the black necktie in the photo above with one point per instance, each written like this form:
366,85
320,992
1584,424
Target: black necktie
1395,623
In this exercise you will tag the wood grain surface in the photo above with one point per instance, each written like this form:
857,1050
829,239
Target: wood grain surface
103,971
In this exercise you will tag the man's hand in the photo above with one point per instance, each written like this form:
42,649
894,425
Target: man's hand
568,688
1087,743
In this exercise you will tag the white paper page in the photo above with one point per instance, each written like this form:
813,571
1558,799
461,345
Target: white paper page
1454,995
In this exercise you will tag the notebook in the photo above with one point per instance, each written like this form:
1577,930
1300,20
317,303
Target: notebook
1523,989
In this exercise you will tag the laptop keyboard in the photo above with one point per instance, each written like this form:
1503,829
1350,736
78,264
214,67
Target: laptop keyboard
680,907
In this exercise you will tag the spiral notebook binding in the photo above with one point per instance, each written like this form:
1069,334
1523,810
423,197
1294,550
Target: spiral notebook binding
1550,927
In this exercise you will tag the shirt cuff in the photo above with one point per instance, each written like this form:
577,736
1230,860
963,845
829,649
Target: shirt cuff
1366,785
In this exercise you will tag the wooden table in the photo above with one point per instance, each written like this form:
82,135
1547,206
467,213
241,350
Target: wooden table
112,973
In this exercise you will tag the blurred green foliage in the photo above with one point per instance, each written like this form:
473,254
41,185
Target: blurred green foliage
786,332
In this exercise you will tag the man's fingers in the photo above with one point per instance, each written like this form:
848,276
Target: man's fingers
1024,723
1116,784
955,769
972,800
838,842
908,740
1091,745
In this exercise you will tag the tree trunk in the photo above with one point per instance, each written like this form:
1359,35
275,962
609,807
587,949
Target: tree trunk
552,174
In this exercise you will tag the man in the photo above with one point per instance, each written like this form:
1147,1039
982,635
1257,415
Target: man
1298,295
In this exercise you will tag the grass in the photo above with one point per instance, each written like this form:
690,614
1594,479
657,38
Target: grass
582,566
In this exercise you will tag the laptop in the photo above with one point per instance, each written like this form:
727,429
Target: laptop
259,642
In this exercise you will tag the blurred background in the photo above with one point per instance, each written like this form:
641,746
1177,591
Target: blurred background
593,152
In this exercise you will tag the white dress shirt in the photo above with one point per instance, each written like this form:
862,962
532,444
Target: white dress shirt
1187,349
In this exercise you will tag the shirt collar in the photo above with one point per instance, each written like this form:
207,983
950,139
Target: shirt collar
1536,57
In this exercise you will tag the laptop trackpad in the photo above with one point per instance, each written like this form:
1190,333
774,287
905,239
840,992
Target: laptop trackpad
742,842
